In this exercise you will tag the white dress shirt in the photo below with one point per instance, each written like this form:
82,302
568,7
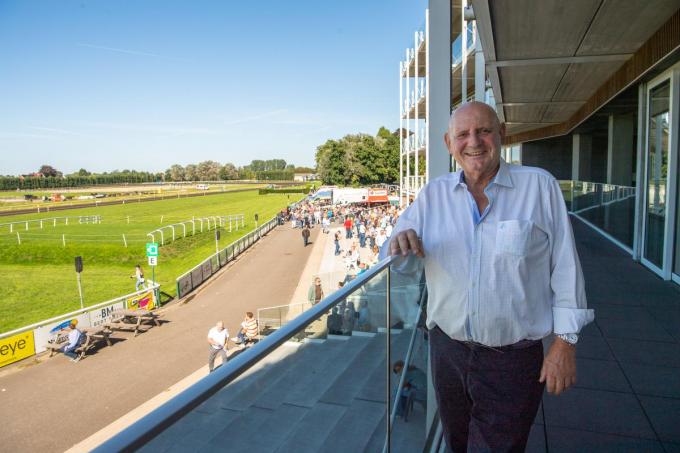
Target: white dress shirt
510,274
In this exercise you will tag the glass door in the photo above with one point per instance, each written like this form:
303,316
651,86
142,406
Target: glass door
657,158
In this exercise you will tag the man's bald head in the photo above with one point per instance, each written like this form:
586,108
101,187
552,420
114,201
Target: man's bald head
479,107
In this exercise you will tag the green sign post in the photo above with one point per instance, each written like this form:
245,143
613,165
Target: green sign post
152,257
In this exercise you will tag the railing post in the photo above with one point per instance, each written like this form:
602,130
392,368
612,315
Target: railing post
389,361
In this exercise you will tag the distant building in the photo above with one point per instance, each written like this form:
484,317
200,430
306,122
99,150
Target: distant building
303,177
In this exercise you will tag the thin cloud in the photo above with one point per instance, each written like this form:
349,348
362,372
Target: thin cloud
56,131
128,51
260,116
152,129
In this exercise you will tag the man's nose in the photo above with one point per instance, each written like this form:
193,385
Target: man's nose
473,139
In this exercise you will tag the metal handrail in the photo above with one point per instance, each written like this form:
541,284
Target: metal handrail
155,422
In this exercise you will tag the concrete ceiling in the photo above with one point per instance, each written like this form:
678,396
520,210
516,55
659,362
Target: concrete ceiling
546,58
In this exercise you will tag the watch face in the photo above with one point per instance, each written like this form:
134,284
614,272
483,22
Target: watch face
570,338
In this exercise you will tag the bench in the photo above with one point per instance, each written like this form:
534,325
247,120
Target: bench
91,336
132,320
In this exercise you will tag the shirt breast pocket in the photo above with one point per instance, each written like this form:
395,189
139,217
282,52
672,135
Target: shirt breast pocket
513,237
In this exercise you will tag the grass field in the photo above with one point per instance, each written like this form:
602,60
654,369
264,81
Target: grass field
38,276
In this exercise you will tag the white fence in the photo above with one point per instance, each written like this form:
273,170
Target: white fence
50,221
211,222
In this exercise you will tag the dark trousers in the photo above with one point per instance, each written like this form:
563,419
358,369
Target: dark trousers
488,398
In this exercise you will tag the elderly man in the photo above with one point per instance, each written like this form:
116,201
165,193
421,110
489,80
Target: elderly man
502,273
217,344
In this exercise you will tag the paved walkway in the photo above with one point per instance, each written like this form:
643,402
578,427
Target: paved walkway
56,404
627,397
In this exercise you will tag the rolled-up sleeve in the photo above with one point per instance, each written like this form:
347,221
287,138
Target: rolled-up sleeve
569,305
410,219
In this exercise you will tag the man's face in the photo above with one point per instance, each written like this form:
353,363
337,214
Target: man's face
219,326
474,140
317,282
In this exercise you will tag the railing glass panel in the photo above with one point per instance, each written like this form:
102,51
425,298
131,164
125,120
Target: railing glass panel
333,388
609,207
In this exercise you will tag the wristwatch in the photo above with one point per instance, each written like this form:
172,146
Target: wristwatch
570,338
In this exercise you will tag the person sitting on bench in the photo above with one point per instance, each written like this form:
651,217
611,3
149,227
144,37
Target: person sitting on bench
74,338
248,330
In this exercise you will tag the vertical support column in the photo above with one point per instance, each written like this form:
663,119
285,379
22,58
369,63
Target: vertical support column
438,86
621,132
581,157
408,126
416,121
480,69
401,134
463,53
427,95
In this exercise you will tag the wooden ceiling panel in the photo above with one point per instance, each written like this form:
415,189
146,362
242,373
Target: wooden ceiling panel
525,29
557,113
530,83
622,26
583,79
524,113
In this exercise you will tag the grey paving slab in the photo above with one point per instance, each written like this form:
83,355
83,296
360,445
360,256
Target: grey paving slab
653,380
202,430
375,387
239,430
318,379
591,330
646,352
349,383
273,430
612,311
593,347
268,382
315,356
597,410
536,442
671,447
354,430
639,328
310,433
601,375
570,440
664,414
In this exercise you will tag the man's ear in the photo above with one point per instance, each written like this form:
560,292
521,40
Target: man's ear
447,140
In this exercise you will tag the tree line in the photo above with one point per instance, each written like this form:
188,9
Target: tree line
48,177
360,159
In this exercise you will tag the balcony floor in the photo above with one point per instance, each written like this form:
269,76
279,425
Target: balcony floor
628,393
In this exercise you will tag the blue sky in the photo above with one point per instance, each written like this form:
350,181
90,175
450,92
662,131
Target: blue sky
108,85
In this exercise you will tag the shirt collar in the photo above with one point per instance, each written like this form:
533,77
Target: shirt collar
502,177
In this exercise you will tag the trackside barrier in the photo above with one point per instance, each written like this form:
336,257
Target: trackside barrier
49,221
212,222
26,341
194,277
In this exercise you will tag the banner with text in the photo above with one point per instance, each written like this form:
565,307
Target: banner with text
16,347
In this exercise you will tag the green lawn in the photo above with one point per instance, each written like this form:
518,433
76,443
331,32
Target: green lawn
39,276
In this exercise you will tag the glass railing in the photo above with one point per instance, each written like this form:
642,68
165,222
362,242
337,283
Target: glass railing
335,387
608,207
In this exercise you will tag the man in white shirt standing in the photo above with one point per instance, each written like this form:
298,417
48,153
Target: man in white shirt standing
217,340
502,273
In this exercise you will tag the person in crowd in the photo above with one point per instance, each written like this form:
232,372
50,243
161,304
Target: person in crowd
347,322
334,322
75,338
315,292
140,282
381,238
249,330
363,321
305,235
502,233
337,243
414,387
326,224
362,268
362,235
348,227
217,344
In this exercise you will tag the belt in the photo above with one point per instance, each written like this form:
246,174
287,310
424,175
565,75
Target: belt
522,344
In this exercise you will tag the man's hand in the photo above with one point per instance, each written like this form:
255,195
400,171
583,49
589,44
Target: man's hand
405,242
559,367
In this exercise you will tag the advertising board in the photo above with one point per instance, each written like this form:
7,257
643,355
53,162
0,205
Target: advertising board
16,347
56,331
145,301
104,314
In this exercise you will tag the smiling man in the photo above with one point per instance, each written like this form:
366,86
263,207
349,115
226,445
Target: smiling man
502,274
